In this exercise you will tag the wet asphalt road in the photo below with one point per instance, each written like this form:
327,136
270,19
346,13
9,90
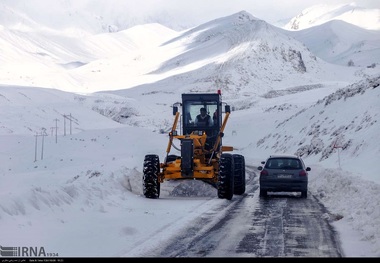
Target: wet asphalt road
280,225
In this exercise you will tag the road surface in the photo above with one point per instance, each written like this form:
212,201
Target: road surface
280,225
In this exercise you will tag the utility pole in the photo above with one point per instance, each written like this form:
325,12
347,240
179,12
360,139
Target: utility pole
336,146
70,124
56,130
64,125
35,148
71,119
43,134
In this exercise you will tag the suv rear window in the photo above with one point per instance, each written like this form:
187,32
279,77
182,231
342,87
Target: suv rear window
283,163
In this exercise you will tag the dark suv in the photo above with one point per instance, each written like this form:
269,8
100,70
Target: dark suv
283,173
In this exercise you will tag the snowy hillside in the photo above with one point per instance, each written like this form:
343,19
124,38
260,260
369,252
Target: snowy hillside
334,43
34,58
350,13
341,120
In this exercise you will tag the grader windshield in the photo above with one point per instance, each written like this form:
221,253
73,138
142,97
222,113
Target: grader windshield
201,112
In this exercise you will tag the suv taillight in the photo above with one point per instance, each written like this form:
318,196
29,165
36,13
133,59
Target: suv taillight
303,173
264,172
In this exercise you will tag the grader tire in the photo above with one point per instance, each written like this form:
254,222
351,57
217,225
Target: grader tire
239,174
151,169
225,183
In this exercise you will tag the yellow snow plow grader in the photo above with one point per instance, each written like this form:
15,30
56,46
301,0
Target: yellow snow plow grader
200,153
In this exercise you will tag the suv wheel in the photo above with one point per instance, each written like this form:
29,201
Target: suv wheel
263,193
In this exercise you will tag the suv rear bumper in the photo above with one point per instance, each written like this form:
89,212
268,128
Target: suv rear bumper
283,186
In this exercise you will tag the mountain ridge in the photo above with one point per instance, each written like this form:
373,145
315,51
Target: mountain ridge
350,13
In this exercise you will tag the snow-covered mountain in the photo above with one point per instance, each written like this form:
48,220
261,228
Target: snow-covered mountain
84,16
341,43
104,16
259,47
249,60
76,52
239,54
350,13
32,58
